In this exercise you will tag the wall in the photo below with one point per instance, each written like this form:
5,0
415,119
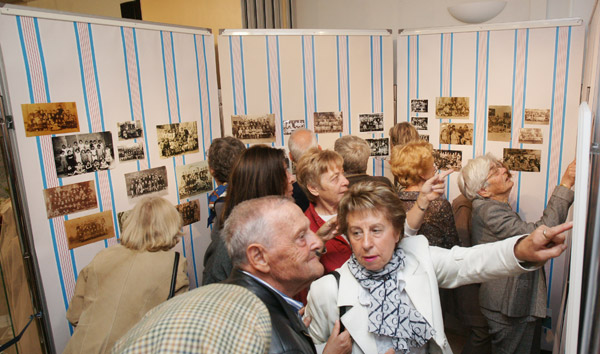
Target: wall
110,8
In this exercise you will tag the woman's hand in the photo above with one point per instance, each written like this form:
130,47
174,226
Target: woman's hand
329,230
543,243
568,179
433,187
338,342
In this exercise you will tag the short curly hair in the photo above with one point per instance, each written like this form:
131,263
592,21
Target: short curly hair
355,151
411,161
222,155
403,133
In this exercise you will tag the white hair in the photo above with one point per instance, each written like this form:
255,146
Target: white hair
473,176
300,142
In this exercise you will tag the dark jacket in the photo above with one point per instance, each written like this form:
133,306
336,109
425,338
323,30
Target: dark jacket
300,197
217,264
289,335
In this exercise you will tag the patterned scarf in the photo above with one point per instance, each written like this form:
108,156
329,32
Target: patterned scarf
388,315
220,191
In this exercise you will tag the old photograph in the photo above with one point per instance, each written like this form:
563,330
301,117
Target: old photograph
329,122
499,123
530,136
145,182
82,153
419,106
456,133
379,147
371,122
447,159
452,107
130,130
177,139
50,118
254,128
131,151
121,219
193,179
90,228
190,212
420,123
537,116
290,125
526,160
424,137
70,198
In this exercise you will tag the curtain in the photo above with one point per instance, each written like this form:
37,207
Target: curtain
267,13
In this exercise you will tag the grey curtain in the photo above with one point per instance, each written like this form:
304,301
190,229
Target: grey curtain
267,13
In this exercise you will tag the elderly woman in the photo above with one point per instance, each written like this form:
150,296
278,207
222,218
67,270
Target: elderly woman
356,152
412,165
514,307
108,294
403,133
387,293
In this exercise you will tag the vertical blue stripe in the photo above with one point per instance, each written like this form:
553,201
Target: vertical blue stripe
269,75
487,71
176,82
304,82
551,116
137,64
127,74
381,69
314,68
208,89
408,78
372,89
199,96
348,83
162,49
279,83
243,74
476,94
512,104
337,44
235,112
523,111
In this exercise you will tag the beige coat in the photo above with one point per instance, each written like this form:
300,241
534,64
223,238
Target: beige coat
115,291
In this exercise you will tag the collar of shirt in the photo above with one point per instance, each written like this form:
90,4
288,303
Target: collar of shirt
297,305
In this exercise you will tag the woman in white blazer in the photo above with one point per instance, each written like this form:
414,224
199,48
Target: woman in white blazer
388,289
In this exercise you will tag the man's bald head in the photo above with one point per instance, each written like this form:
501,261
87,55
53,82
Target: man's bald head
300,142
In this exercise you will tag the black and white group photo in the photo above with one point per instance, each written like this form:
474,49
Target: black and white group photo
424,137
190,211
419,106
144,182
70,198
50,118
420,123
447,159
290,125
499,123
371,122
131,151
379,147
452,107
530,136
193,179
537,116
82,153
456,133
254,128
329,122
526,160
177,139
130,130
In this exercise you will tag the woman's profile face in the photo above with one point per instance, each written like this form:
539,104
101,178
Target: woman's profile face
373,238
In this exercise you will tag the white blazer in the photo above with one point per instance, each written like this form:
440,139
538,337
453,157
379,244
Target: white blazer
426,269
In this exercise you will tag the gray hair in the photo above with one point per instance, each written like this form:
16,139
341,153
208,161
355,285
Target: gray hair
473,176
355,151
300,142
251,222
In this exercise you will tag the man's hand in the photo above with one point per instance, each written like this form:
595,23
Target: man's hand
543,243
568,179
338,342
434,187
329,230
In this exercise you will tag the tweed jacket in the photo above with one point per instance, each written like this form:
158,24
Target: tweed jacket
115,291
288,333
426,268
524,295
217,318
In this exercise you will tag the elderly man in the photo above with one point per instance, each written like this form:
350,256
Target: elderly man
356,151
275,255
299,143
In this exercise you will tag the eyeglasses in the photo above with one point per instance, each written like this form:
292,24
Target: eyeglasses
496,167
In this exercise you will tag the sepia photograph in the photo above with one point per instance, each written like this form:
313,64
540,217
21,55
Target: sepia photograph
371,122
420,123
121,219
526,160
145,182
70,198
177,139
190,212
90,228
452,107
193,179
419,106
82,153
447,159
499,123
329,122
456,133
131,151
254,128
130,130
537,116
530,136
50,118
424,137
290,125
379,147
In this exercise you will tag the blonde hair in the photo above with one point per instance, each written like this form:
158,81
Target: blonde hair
152,225
403,133
355,151
313,164
411,161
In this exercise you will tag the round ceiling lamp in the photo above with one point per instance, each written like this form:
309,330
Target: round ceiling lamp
478,11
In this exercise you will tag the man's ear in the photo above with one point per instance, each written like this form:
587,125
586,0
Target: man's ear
313,190
257,257
484,193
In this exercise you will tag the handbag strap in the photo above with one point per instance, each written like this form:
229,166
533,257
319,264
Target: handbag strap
174,276
342,309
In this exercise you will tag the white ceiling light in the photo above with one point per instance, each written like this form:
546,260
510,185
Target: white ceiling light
478,11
